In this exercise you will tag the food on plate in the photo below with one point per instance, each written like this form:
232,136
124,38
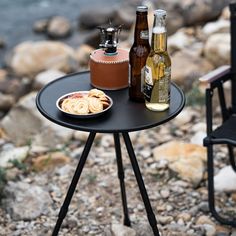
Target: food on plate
95,105
83,103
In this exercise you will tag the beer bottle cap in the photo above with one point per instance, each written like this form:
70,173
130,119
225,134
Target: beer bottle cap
142,8
160,12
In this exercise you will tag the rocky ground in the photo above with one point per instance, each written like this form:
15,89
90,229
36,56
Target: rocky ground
38,158
173,164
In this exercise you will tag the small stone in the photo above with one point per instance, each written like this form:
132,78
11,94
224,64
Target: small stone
143,229
72,222
165,193
64,170
210,230
180,222
2,43
169,208
145,153
185,216
198,138
12,174
233,196
165,219
204,220
204,207
59,27
3,74
122,230
40,26
222,230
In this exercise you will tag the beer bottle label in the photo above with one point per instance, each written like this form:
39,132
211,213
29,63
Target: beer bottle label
144,34
148,75
163,87
148,85
142,78
157,90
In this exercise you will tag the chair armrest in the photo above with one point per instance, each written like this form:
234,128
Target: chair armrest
215,74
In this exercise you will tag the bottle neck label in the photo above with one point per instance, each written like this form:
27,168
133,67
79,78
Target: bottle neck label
144,34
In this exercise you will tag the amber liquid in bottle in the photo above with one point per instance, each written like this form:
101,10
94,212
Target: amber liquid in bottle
138,55
158,67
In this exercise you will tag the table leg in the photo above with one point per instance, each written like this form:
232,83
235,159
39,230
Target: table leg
143,191
71,190
121,177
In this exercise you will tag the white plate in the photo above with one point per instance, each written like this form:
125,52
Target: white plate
90,115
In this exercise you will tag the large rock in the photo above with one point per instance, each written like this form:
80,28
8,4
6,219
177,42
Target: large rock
225,180
30,58
187,67
6,101
50,161
217,49
94,17
180,40
220,26
184,158
46,77
15,88
25,201
24,124
202,10
189,12
18,154
83,54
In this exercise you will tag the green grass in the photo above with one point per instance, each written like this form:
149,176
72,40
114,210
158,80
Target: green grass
195,97
19,165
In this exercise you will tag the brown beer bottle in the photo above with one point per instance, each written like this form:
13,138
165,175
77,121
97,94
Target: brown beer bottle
138,55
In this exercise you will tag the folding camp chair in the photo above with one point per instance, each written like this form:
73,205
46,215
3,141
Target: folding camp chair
226,132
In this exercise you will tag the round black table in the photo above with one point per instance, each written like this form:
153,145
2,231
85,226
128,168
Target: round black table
123,117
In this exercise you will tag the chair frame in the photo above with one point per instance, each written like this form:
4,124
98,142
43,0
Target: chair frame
215,81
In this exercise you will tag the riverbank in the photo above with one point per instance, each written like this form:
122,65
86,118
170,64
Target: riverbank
18,17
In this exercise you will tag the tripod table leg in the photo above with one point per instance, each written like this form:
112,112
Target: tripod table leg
143,191
121,178
71,190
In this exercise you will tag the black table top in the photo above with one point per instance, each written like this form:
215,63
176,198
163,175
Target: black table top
124,115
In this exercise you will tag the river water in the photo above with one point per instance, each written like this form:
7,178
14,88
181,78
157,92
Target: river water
17,17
